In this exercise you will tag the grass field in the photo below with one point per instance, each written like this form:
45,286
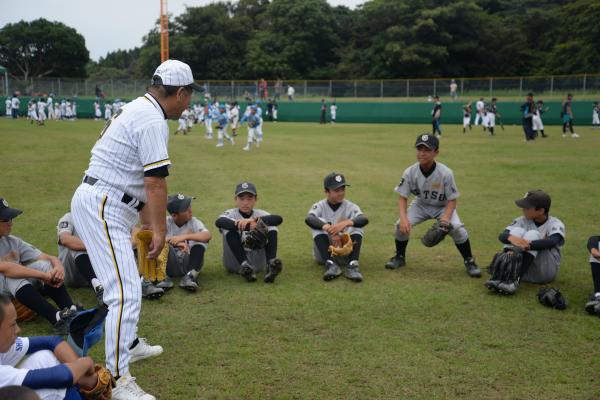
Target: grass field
427,331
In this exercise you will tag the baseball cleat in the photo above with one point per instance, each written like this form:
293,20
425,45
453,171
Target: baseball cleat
99,290
508,288
151,292
395,262
492,284
247,271
574,135
593,306
333,271
472,268
143,350
128,389
219,145
165,284
273,269
188,283
353,273
61,327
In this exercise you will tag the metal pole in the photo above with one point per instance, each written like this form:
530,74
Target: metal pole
381,88
584,82
520,86
434,87
491,80
551,85
232,90
407,89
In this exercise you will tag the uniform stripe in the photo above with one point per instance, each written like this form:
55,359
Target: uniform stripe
120,315
155,164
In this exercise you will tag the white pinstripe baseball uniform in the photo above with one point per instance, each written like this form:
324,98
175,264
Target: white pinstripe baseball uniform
105,209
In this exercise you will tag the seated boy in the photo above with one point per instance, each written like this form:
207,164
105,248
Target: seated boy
235,225
534,242
21,264
330,217
188,239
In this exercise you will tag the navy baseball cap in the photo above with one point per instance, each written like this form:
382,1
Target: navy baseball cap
86,329
428,140
7,213
334,181
178,203
245,187
534,199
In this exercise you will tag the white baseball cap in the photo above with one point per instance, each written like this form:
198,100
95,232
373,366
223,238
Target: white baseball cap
175,73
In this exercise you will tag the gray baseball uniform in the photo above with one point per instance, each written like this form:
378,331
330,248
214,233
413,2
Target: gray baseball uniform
178,262
73,278
257,258
432,193
547,262
322,210
15,250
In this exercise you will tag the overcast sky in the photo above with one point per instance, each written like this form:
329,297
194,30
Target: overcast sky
106,25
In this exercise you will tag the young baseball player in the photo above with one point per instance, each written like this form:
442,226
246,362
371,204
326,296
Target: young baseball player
593,306
41,111
208,117
235,225
480,118
491,110
97,112
527,111
124,183
323,118
187,238
538,237
31,112
15,105
253,121
234,117
536,121
57,111
222,122
567,116
328,219
46,364
333,112
436,115
8,105
259,125
21,264
50,106
107,111
596,115
467,111
276,109
182,121
436,196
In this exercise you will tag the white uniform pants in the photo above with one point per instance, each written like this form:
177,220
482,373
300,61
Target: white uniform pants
104,224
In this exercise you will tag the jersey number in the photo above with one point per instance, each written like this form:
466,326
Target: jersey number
109,122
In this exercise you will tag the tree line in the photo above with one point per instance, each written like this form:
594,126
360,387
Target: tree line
310,39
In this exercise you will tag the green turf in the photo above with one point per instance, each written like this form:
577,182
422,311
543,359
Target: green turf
426,331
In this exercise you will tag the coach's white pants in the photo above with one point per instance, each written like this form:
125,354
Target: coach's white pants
208,126
104,224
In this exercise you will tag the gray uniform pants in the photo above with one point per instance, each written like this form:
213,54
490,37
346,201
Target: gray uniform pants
10,286
178,263
418,213
257,258
546,263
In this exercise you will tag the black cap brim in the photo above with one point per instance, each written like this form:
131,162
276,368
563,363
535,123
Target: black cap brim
428,145
10,213
245,191
337,186
196,87
523,203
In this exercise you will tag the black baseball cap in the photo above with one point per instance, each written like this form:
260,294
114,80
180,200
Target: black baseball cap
334,181
428,140
245,187
7,213
534,199
178,203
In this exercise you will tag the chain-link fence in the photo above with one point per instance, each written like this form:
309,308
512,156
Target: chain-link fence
515,87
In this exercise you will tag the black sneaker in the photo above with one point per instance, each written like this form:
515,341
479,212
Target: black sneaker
333,271
66,315
247,271
593,306
273,269
472,268
395,262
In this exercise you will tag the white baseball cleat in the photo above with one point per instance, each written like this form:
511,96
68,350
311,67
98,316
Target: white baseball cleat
128,389
246,148
219,145
574,135
143,350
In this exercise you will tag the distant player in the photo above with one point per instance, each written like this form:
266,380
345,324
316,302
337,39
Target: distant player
453,90
536,121
527,111
333,112
259,126
467,111
8,105
50,106
235,224
74,110
253,120
234,117
97,112
15,104
57,111
480,117
328,219
107,111
567,116
41,111
491,111
436,116
31,111
596,115
323,118
275,110
182,122
436,194
208,119
222,122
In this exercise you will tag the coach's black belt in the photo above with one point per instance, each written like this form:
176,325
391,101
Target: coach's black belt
127,199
